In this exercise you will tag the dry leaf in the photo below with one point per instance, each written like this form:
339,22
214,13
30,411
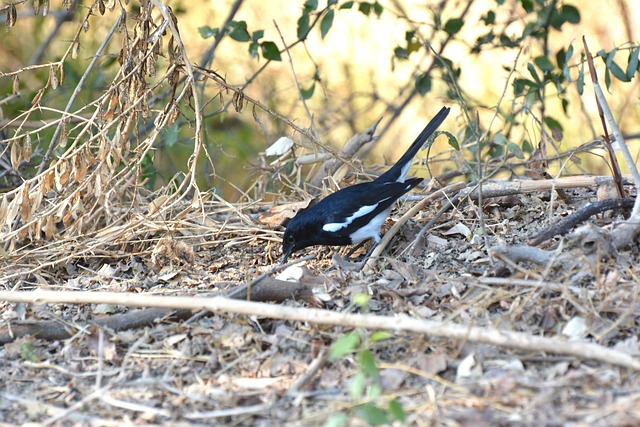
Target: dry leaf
280,147
459,228
277,215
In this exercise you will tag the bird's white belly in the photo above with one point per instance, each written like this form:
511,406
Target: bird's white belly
371,230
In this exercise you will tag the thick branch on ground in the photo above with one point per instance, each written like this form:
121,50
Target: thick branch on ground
509,339
267,289
563,226
498,189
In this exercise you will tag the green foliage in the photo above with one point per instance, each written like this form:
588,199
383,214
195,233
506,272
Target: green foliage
238,31
365,386
344,345
270,51
28,352
423,83
326,23
149,172
453,26
543,74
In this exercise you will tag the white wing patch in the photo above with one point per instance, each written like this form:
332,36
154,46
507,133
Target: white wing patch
335,226
371,230
404,171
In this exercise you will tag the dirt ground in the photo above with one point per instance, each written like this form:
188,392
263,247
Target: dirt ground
235,370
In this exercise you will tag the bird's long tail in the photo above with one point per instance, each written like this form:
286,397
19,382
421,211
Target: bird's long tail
398,172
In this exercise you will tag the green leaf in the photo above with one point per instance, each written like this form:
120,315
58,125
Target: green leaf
337,420
303,27
570,14
566,72
368,364
489,18
378,336
500,139
28,352
618,72
632,65
451,139
556,21
206,32
610,56
377,9
607,78
374,391
254,47
400,53
372,415
357,385
361,300
453,26
308,93
552,123
257,35
561,58
331,2
270,51
149,172
397,411
515,149
344,345
310,5
529,29
527,5
534,73
238,31
409,35
346,5
327,21
365,8
580,81
519,85
423,84
569,54
544,63
506,41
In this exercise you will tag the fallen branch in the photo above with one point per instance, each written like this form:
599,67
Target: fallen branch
261,289
565,224
508,339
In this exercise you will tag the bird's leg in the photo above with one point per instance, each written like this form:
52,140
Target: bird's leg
355,248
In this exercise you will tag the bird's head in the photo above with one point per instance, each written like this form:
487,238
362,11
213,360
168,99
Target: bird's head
291,241
301,232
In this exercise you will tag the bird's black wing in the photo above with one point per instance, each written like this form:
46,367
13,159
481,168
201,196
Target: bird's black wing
353,207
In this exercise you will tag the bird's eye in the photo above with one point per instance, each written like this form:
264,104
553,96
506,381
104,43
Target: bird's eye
291,239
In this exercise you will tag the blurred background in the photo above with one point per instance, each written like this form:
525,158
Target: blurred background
510,70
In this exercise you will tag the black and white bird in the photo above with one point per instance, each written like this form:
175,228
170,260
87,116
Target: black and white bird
355,214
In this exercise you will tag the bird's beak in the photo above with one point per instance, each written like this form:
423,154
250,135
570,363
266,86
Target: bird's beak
285,256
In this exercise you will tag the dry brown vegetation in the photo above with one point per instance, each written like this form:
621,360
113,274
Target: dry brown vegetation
123,305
